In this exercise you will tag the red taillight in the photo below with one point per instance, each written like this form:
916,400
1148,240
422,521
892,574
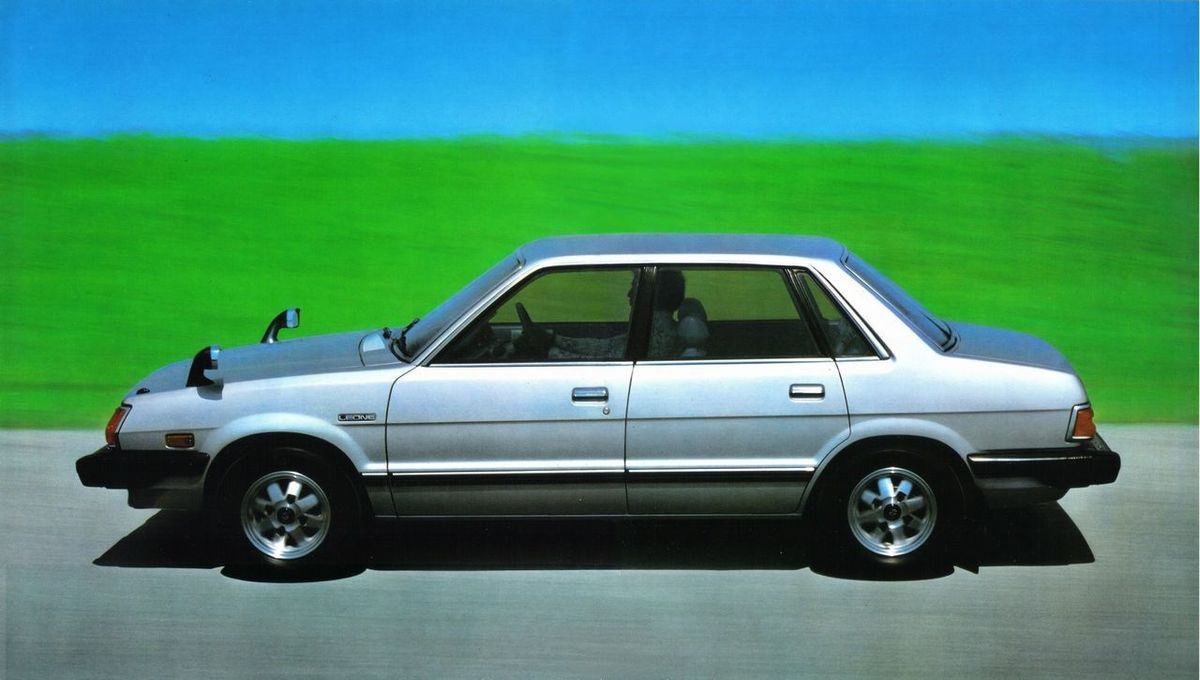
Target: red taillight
114,424
1085,424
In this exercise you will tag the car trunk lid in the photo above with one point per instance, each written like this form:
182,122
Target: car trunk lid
997,344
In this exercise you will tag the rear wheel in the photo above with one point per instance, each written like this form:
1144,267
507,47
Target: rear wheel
890,511
289,509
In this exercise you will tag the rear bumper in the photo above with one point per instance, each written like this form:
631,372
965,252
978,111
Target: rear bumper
1093,463
114,468
1022,477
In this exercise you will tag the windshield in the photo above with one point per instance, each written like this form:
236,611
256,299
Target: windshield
929,325
432,324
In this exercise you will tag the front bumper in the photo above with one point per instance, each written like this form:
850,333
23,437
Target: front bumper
1022,477
115,468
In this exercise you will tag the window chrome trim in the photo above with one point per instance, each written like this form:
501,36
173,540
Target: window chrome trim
766,360
535,364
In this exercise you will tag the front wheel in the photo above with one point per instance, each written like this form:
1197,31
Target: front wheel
289,509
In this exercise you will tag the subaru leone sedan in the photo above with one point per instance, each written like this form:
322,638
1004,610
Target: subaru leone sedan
619,375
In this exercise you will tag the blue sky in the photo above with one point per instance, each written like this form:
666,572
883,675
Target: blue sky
842,69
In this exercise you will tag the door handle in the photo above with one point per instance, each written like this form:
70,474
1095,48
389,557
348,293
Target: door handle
589,394
806,392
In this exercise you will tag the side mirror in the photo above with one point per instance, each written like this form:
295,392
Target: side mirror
288,318
205,360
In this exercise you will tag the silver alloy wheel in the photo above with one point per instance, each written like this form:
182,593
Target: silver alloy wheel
285,515
892,511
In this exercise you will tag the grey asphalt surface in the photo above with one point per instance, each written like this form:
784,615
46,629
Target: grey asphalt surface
1103,584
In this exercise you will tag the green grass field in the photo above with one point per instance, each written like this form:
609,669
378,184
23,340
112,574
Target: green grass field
123,254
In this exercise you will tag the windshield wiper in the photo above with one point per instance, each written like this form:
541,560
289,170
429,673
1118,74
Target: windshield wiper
400,342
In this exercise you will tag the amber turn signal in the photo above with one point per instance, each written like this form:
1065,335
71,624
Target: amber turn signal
1085,424
181,440
114,424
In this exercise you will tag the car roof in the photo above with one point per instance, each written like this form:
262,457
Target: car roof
668,247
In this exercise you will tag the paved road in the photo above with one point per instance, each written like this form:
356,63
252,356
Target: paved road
1102,584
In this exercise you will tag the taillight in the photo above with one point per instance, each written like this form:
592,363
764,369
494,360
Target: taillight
1083,426
114,424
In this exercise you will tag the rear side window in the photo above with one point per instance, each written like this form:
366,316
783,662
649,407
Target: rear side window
844,337
727,313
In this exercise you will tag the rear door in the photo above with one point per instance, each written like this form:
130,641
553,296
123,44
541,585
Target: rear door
736,399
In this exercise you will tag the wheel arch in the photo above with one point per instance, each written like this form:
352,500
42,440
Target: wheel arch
247,446
935,449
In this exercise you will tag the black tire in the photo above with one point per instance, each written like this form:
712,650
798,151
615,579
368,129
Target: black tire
905,532
287,508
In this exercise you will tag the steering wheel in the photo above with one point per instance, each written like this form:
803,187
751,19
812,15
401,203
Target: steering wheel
534,341
528,327
482,343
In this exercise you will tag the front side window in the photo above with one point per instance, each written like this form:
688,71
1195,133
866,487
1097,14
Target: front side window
727,313
431,325
560,315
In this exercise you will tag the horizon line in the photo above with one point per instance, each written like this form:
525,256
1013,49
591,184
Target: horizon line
567,137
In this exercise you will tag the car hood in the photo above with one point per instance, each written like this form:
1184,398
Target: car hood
299,356
998,344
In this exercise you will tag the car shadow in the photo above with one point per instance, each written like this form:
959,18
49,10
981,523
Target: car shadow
1042,535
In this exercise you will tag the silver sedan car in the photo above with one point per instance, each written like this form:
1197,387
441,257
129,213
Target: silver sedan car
623,375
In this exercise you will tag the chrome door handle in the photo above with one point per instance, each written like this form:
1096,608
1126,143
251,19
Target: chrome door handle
592,394
806,392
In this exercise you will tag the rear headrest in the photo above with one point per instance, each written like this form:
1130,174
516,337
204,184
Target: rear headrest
692,328
692,307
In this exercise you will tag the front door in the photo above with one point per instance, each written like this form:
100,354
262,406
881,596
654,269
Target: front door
524,412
